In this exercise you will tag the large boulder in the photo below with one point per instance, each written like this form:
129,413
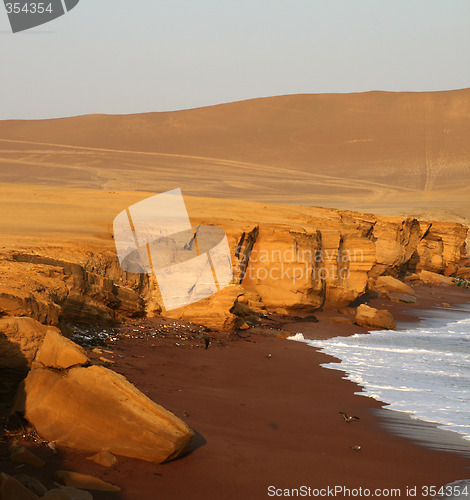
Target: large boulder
370,317
11,489
32,484
60,353
66,493
391,284
20,339
83,481
23,456
103,458
435,279
85,407
92,408
402,297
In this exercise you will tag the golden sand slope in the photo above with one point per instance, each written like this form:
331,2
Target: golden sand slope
376,151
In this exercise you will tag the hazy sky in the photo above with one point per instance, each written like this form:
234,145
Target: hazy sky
128,56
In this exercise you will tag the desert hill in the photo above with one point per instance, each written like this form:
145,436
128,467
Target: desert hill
377,151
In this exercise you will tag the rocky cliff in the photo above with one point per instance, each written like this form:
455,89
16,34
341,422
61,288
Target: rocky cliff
285,260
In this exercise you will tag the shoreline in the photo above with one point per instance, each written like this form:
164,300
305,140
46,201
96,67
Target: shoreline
426,433
260,421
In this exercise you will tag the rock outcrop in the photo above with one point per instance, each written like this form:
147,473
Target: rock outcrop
443,244
396,241
51,289
292,259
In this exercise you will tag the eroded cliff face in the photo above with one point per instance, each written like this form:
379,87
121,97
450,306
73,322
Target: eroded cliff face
330,262
302,263
79,287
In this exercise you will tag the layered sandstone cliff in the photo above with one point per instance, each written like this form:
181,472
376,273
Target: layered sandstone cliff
285,260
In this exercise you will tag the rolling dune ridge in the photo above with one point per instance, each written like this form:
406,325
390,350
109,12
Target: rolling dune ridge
393,153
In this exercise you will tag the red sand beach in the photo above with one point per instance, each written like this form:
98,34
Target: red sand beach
265,414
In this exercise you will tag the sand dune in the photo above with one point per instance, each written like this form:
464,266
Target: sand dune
384,152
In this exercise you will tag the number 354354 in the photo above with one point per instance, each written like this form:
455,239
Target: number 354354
29,8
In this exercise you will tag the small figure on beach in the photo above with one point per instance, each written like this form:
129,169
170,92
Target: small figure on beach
206,339
349,418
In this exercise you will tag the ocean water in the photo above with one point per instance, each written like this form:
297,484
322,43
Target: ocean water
424,371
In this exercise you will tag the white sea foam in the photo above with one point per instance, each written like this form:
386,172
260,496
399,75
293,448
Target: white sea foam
422,371
297,336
